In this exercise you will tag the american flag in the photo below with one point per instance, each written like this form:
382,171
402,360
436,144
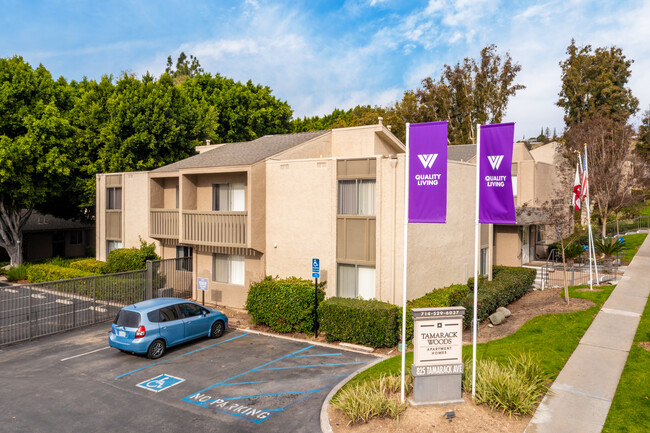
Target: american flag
585,178
577,188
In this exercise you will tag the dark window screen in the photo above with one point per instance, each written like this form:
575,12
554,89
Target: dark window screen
128,319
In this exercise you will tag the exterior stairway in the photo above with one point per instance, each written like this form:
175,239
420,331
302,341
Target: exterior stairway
540,276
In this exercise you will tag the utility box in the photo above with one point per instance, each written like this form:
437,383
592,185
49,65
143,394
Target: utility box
438,355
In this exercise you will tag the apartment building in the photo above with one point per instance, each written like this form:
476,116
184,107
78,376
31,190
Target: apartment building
534,185
267,207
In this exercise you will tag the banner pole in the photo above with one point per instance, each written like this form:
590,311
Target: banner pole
476,248
406,220
590,247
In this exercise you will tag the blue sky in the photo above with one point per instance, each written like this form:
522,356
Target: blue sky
321,55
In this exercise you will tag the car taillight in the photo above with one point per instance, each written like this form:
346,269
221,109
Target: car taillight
141,332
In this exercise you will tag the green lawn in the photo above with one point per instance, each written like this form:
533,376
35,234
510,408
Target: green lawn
630,410
550,338
632,244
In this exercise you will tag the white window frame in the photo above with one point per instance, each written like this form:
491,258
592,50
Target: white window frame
183,251
235,268
112,245
358,196
113,200
235,197
370,292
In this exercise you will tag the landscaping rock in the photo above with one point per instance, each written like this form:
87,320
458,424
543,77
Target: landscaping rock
497,318
504,310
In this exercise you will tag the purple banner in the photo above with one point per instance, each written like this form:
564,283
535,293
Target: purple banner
428,172
496,201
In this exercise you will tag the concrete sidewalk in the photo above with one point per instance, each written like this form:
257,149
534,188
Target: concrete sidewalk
582,394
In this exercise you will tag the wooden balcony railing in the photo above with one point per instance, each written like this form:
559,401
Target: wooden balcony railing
164,223
226,229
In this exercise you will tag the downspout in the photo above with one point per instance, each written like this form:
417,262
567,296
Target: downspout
393,164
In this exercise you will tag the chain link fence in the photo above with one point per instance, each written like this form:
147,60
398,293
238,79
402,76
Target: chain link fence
35,310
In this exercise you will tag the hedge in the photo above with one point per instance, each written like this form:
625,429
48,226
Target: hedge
507,285
447,297
285,305
371,323
46,272
89,265
130,259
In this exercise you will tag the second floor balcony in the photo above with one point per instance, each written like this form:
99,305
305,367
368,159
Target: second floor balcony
214,228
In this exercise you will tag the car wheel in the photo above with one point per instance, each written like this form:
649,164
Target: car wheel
217,329
156,349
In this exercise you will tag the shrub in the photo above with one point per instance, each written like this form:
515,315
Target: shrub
89,265
284,305
447,297
514,388
373,398
609,246
371,323
508,285
47,272
130,259
18,273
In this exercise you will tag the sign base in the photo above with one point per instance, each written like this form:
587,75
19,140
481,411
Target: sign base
437,390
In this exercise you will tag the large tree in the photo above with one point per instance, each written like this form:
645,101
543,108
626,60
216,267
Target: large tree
243,111
594,84
643,145
611,164
36,148
470,93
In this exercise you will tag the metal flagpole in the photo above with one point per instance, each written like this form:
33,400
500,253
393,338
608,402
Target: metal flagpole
476,248
406,221
592,250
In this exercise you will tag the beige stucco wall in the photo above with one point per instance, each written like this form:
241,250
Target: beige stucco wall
135,212
227,294
546,153
507,248
204,184
301,218
169,193
319,147
438,254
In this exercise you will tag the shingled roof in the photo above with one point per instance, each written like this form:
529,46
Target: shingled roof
243,153
461,152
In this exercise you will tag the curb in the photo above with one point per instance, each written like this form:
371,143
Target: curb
316,343
324,418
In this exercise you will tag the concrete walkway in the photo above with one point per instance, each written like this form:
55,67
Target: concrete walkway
582,394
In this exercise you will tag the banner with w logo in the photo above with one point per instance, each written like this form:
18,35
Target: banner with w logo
427,150
496,201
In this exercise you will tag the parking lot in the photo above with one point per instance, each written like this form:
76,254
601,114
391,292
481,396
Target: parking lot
241,382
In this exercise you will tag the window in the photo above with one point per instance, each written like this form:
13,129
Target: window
356,281
114,198
165,314
514,185
112,245
184,253
76,237
228,268
177,196
190,310
357,197
228,197
483,264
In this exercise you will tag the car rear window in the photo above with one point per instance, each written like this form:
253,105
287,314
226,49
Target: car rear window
128,319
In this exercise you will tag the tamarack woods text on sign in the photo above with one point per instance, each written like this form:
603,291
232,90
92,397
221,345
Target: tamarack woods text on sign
438,339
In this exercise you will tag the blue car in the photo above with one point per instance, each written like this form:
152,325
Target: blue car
152,326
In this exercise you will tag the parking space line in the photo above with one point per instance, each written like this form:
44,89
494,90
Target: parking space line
310,366
251,370
320,354
179,356
87,353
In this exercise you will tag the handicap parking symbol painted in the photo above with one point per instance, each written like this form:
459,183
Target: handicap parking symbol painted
160,383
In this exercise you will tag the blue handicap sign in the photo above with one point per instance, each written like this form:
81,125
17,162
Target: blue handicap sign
315,268
160,383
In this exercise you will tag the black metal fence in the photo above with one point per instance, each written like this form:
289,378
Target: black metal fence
577,273
35,310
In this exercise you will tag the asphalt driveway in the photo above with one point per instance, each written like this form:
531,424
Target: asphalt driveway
241,382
